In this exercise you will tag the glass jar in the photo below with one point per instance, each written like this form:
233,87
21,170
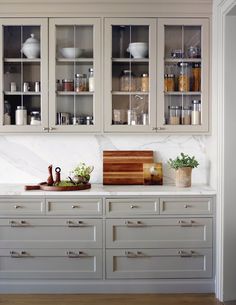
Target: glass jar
21,115
67,85
91,80
170,82
132,117
184,77
89,120
196,71
127,81
144,82
174,115
196,112
7,113
80,82
186,115
35,118
165,82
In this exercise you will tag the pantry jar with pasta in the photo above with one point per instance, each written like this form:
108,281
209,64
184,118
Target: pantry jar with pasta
184,77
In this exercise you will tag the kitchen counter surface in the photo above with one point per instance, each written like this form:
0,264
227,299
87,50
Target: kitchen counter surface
112,190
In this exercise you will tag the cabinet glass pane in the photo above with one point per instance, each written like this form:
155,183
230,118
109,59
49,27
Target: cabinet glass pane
74,75
22,75
130,75
182,75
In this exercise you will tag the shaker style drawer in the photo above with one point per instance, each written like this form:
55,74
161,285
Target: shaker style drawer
22,206
132,206
53,233
75,206
20,263
188,205
162,263
159,233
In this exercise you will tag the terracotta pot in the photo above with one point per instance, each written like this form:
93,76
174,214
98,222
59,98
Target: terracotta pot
183,177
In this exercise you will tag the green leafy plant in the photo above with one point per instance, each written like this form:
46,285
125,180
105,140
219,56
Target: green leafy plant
183,161
82,171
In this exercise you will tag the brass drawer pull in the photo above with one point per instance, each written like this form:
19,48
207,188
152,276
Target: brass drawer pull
72,254
138,223
22,254
72,224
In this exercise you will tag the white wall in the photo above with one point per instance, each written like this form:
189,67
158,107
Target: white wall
25,158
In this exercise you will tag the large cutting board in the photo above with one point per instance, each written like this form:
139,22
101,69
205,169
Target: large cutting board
125,166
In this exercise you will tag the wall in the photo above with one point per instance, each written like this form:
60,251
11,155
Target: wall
25,158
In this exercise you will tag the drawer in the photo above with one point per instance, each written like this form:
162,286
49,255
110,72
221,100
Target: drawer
53,233
159,233
20,263
162,263
185,205
75,206
22,206
132,206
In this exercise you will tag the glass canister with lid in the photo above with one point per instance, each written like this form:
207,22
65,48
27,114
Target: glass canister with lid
174,115
196,112
127,81
80,82
67,85
184,77
35,118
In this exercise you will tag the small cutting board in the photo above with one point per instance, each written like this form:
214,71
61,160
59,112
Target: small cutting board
125,166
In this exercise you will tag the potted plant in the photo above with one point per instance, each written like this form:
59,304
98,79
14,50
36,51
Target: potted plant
82,173
183,166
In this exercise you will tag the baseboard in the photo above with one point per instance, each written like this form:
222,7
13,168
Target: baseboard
100,286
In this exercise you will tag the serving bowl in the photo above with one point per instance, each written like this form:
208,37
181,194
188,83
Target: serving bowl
138,49
71,52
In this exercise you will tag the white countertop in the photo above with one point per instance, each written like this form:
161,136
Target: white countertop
112,190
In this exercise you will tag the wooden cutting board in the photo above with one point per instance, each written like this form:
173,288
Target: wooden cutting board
125,166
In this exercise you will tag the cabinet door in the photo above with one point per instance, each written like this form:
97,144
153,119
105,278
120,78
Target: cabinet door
130,80
23,65
75,74
183,75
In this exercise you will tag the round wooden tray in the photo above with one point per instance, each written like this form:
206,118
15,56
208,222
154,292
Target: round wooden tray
43,186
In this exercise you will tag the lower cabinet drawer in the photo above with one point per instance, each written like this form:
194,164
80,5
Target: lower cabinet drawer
159,233
21,206
50,263
161,263
53,233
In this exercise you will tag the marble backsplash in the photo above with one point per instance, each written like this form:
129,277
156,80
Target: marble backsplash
25,158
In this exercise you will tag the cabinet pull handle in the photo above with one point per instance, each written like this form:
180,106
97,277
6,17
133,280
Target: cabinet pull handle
17,206
187,206
75,206
21,223
21,254
72,254
191,253
133,206
130,254
45,128
160,128
72,224
154,128
52,128
186,224
134,224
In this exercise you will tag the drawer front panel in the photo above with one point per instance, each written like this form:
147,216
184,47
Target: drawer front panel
132,206
159,233
172,205
50,264
74,207
162,263
53,233
22,206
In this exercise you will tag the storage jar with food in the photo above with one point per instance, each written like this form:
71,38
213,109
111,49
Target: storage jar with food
80,82
196,112
184,77
196,71
174,115
67,85
186,115
127,81
144,82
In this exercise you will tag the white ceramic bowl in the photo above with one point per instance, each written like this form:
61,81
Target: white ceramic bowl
138,49
71,52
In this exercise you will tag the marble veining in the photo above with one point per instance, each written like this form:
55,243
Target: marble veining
25,158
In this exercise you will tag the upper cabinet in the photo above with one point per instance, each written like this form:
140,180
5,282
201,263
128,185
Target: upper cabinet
130,74
75,74
24,75
183,75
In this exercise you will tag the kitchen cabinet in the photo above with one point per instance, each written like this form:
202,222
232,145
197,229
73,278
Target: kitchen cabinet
175,68
24,81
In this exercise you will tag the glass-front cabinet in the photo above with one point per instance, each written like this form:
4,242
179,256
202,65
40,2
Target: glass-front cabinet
182,75
130,74
75,74
24,75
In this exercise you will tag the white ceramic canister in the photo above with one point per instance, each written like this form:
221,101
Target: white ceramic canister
21,115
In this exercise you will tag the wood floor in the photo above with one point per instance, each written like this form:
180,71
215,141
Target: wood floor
109,299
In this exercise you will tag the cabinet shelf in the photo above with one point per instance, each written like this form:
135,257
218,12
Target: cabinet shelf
129,93
133,60
177,60
21,93
74,93
182,93
26,60
68,60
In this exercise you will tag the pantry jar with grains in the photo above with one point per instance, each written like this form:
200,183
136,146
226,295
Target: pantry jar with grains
184,77
80,82
169,82
196,112
174,115
127,81
144,82
186,115
196,70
